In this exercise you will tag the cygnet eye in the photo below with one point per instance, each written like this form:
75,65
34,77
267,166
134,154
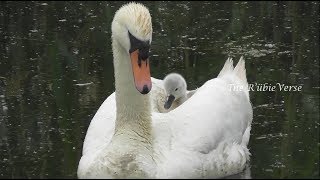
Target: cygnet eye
176,89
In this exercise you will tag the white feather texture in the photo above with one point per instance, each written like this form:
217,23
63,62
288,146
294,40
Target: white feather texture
205,137
171,82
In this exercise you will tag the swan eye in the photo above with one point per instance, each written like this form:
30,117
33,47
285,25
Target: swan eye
142,46
176,89
144,53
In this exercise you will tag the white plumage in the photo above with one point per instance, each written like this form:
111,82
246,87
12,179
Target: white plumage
204,137
173,84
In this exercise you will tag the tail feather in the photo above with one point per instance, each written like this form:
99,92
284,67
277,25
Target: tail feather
227,68
246,136
240,70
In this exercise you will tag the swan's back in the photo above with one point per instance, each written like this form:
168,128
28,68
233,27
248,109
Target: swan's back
208,134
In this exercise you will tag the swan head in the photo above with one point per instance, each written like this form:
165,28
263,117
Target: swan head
175,87
132,31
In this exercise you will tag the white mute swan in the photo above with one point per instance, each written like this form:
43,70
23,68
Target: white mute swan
205,137
176,90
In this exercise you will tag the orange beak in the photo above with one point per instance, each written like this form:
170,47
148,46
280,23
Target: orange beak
141,73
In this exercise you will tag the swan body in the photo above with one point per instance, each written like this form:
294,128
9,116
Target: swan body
204,137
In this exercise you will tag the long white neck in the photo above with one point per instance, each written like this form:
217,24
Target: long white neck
133,109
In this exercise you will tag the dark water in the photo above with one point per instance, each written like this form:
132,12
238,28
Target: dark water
48,51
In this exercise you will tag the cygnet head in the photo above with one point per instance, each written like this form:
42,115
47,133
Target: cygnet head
175,87
131,36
